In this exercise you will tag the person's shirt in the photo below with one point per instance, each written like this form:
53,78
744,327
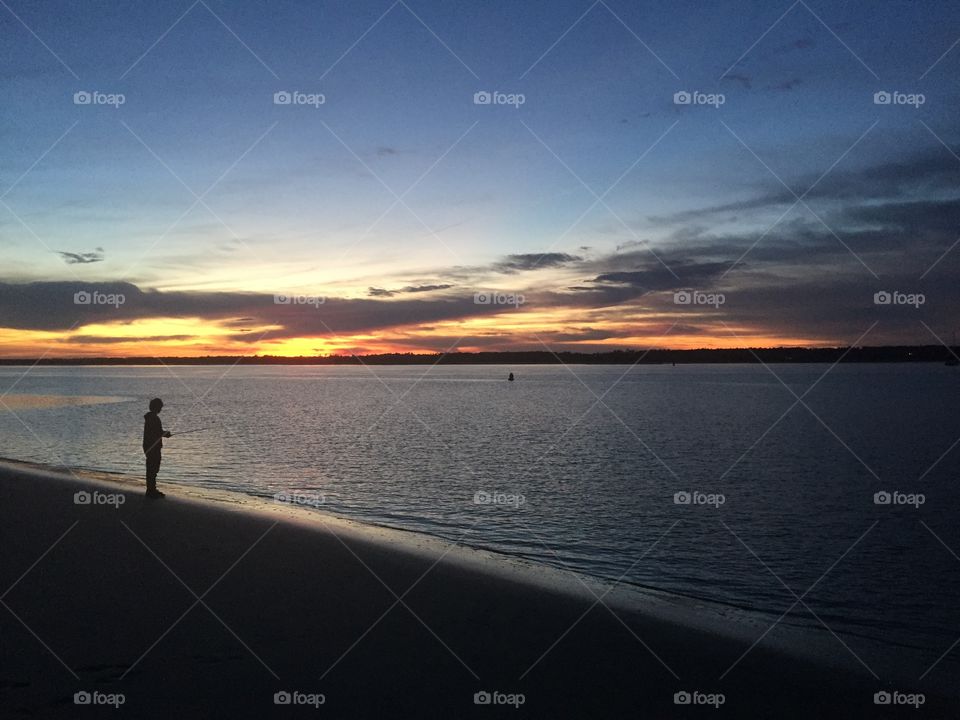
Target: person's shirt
152,432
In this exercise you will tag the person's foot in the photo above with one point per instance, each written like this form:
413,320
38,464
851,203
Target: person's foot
154,493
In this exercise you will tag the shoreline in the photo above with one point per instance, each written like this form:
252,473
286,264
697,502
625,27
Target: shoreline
726,620
213,601
805,354
730,620
671,613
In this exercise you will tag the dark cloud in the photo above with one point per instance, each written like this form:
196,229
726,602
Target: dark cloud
82,258
383,292
877,232
52,306
508,264
930,172
919,219
664,276
535,261
424,288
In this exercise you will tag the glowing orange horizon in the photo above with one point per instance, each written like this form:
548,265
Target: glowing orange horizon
554,331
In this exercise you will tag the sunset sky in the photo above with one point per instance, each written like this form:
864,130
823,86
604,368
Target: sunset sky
397,214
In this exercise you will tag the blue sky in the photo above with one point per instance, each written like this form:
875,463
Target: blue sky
300,196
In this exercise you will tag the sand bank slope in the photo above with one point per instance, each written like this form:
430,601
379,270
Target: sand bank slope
208,604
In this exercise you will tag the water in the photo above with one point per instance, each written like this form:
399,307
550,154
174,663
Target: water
410,447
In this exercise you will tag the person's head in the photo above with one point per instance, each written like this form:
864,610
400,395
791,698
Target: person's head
156,405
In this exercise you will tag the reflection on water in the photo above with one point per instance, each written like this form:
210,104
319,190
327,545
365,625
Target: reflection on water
452,450
34,402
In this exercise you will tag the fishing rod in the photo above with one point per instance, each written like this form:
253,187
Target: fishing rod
194,430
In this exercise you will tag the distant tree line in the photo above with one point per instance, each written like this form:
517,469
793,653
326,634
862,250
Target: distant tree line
898,353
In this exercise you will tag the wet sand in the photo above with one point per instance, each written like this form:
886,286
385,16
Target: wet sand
208,603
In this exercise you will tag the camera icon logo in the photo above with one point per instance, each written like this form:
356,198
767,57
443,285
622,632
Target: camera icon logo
282,698
282,98
82,497
482,298
482,98
281,299
82,98
482,698
682,698
882,698
882,298
882,498
882,98
683,297
682,98
82,298
82,698
682,498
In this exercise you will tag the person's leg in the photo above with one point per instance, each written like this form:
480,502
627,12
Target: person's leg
153,467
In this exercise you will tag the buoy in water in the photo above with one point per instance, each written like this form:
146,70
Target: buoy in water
510,378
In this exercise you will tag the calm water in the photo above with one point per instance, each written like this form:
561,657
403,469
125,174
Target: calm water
410,447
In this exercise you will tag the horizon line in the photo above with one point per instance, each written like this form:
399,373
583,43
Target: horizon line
879,353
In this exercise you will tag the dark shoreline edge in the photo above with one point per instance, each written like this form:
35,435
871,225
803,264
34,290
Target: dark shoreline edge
654,356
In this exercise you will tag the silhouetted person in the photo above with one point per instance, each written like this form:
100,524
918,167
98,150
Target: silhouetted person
510,378
153,434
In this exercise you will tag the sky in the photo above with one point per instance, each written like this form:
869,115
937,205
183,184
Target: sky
300,178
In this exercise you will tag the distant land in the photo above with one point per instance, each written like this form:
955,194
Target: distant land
885,354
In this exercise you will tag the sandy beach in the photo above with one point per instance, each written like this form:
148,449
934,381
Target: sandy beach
209,603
